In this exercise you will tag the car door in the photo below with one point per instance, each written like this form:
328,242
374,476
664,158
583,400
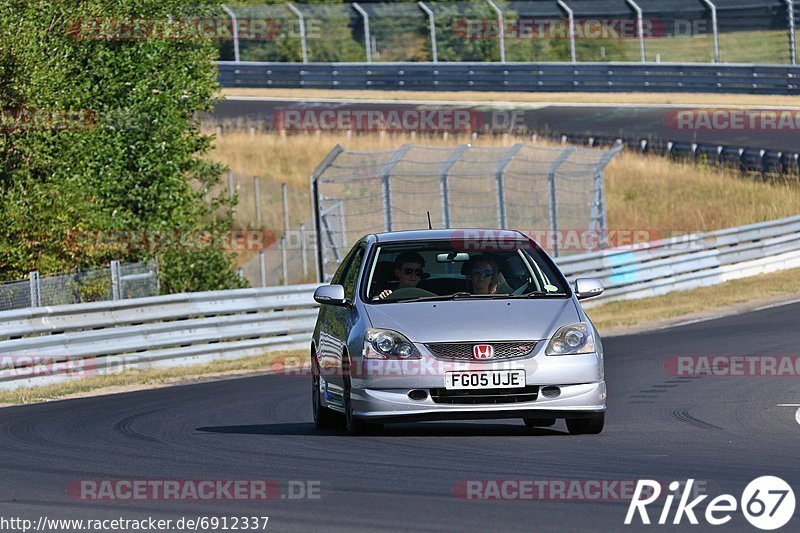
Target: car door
338,323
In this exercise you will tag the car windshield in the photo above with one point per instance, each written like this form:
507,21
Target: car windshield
442,270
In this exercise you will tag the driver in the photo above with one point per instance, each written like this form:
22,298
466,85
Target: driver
408,270
482,275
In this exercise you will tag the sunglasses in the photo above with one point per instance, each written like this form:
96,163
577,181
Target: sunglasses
488,272
409,271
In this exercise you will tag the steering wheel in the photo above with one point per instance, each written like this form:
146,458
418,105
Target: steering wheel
408,292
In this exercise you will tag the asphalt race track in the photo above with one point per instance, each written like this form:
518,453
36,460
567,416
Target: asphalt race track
721,430
628,121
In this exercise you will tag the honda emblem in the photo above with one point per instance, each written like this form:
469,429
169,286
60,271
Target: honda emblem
483,351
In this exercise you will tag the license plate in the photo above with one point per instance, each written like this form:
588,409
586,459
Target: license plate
484,379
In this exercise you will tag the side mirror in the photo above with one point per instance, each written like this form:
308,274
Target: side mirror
588,287
330,295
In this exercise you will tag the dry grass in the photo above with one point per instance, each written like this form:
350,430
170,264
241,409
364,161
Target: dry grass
677,304
643,192
734,100
146,379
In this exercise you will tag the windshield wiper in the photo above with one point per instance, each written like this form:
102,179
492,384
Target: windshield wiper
543,294
454,296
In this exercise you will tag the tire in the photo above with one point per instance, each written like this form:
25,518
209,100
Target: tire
586,426
354,425
324,418
539,422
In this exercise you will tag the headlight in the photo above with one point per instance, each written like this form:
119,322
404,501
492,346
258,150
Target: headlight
571,339
388,344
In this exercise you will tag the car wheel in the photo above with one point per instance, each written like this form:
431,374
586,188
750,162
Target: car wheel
586,426
353,425
539,422
324,418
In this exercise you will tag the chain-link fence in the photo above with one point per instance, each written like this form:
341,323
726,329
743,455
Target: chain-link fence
524,187
735,31
115,282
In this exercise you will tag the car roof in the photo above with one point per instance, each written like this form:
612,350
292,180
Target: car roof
448,234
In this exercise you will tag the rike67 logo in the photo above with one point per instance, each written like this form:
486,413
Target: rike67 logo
767,503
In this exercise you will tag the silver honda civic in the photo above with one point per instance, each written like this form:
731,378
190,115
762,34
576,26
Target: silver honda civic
455,324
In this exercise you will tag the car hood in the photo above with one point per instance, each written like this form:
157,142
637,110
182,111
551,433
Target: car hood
464,320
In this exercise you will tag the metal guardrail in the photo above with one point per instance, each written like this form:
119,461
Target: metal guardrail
181,329
525,77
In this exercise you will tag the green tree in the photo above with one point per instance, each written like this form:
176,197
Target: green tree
124,151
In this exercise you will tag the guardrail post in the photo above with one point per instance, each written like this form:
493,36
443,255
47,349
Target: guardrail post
302,20
432,25
367,40
501,30
444,188
234,31
571,18
116,289
713,9
639,28
36,295
257,195
790,14
303,253
551,181
499,176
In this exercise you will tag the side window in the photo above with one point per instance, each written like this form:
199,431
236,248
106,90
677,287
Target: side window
338,276
351,274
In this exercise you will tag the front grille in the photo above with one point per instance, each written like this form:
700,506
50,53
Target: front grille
462,351
485,396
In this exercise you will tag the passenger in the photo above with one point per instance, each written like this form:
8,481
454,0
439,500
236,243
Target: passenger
408,270
482,275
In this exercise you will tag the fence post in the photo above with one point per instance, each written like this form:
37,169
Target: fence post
367,40
315,209
386,172
501,30
303,253
302,19
499,175
256,186
36,295
790,13
551,181
284,262
639,28
235,31
713,9
444,187
432,25
571,18
262,268
116,292
285,194
599,208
